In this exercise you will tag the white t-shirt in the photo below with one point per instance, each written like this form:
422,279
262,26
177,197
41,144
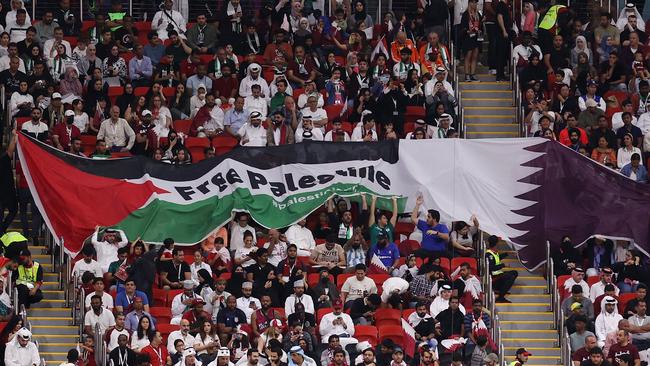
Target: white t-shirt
357,289
107,301
105,319
81,121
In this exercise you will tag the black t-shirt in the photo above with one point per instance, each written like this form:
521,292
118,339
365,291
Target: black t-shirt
176,273
12,82
634,130
559,58
7,184
178,52
617,73
502,8
126,38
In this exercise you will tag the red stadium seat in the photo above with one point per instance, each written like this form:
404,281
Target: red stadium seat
297,92
366,333
456,262
340,60
87,24
333,111
313,278
560,286
446,265
172,294
142,27
182,125
73,41
114,92
320,313
348,127
196,146
379,278
166,329
281,313
340,279
141,90
593,279
392,332
404,228
169,91
159,297
409,127
388,317
413,113
188,258
161,314
224,143
623,299
407,247
406,313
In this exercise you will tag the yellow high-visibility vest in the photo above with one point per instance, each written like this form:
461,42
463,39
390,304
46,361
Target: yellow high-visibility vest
12,237
27,275
497,261
550,18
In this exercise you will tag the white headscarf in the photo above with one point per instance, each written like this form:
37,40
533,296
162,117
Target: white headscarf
630,9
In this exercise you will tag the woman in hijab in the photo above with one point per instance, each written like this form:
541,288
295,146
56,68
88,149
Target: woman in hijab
535,71
583,72
300,36
126,98
175,144
206,289
60,62
359,15
605,48
581,47
34,55
529,18
70,86
114,68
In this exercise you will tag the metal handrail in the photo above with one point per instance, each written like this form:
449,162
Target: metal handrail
16,307
100,347
82,308
74,299
565,347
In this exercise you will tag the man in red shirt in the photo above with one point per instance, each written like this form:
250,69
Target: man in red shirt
197,315
582,354
300,68
226,86
623,347
572,122
158,354
64,132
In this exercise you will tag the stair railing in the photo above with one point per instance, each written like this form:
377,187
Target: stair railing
100,347
81,313
73,301
16,307
565,345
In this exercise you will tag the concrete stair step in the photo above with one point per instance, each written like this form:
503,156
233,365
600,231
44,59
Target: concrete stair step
53,294
55,347
510,315
497,85
491,135
55,329
51,320
489,111
490,118
57,338
528,289
529,342
531,280
527,298
535,361
523,333
48,311
533,307
538,352
49,303
529,325
486,93
50,285
491,127
486,102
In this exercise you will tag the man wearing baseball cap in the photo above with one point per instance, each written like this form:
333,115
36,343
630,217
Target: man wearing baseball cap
337,323
521,357
65,131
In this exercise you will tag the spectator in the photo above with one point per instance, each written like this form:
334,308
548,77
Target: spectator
635,170
176,271
21,351
182,334
357,286
329,255
183,302
597,288
158,354
98,316
627,149
607,320
640,336
435,235
107,299
623,348
113,336
87,264
362,309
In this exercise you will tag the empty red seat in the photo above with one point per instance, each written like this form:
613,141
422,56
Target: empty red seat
141,90
333,111
166,329
224,143
392,332
388,317
159,297
161,314
366,333
182,125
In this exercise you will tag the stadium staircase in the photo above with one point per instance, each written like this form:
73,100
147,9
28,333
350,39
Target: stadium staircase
528,321
51,319
488,106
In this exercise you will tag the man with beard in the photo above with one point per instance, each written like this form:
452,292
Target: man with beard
343,225
421,285
328,356
158,354
252,133
183,302
276,246
262,317
329,255
388,253
325,291
122,355
337,323
623,346
288,266
299,297
98,315
477,323
278,132
426,327
451,319
338,358
196,316
223,358
145,136
229,319
248,303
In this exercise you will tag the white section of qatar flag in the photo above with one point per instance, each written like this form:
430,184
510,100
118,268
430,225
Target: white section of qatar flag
376,266
409,338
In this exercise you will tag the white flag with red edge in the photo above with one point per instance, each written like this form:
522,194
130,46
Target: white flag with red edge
381,47
409,338
376,265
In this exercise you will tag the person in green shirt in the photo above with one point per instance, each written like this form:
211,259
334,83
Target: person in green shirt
278,99
383,224
115,15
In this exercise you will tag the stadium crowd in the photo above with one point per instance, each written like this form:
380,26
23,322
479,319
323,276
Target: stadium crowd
333,291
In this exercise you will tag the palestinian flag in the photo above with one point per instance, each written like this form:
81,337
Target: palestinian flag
526,191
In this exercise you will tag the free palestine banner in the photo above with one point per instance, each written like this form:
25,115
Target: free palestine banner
527,191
